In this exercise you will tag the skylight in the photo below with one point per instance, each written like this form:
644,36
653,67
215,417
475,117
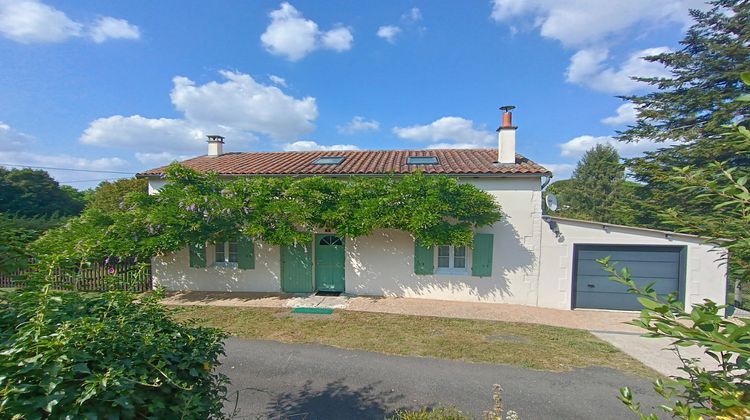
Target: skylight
328,160
422,160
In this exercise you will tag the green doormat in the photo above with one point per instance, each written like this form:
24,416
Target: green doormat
322,311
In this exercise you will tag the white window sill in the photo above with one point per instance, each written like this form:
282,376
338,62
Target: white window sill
452,271
232,265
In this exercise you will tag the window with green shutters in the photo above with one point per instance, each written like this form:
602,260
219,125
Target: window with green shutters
198,255
481,255
245,254
423,259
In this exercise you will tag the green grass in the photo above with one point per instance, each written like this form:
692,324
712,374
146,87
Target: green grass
526,345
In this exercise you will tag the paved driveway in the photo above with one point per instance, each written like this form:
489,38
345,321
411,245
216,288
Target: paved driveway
303,381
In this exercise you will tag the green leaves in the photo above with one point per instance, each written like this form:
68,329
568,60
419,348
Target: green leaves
199,208
597,190
108,355
719,392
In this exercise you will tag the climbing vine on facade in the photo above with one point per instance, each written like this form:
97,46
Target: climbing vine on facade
198,207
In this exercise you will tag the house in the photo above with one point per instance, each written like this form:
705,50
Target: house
527,258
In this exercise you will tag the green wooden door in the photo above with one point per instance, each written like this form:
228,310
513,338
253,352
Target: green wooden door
329,263
296,269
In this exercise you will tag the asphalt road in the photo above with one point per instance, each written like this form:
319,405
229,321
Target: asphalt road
304,381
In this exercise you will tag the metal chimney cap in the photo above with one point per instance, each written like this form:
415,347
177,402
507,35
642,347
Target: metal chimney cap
507,108
215,138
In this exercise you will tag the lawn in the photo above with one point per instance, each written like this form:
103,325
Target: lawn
526,345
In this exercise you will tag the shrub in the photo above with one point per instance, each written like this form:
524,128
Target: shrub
439,413
722,392
452,413
74,355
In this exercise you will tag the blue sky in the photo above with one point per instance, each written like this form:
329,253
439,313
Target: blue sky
130,85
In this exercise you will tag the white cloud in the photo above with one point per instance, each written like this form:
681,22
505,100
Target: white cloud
237,107
576,147
277,80
625,114
144,134
308,145
580,23
412,15
389,33
456,146
358,125
409,20
244,104
293,36
63,160
11,139
338,39
16,151
560,170
161,158
587,67
29,21
450,131
110,28
290,34
21,159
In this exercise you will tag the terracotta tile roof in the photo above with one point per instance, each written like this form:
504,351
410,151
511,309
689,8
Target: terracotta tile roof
360,162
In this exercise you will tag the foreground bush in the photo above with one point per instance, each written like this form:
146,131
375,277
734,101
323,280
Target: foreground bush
452,413
108,355
721,391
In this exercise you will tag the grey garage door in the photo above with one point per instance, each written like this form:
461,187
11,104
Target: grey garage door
647,264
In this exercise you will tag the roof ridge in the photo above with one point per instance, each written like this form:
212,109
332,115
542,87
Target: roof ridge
355,151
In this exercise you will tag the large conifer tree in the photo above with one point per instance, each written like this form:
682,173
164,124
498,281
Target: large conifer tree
692,107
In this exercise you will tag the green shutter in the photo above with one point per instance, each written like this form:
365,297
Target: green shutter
246,253
423,259
481,255
198,255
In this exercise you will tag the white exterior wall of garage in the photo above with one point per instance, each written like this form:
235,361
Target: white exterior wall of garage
531,266
705,266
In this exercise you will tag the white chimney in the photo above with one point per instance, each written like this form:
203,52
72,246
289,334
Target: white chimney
215,145
506,136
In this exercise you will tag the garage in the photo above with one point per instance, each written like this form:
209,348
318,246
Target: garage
662,265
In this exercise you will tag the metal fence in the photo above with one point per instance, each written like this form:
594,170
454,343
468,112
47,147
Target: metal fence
96,278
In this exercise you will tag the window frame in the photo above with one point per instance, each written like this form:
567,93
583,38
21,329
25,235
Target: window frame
452,269
329,160
225,249
433,160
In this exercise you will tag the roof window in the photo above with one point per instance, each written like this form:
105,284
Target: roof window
328,160
422,160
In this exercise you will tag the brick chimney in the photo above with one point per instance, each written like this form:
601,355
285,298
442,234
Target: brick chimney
506,137
215,145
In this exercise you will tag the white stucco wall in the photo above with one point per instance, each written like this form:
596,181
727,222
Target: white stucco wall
173,272
530,265
382,263
706,266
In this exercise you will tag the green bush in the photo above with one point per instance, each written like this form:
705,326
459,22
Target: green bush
18,233
721,392
452,413
108,355
439,413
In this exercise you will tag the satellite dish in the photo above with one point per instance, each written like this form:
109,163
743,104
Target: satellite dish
551,201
